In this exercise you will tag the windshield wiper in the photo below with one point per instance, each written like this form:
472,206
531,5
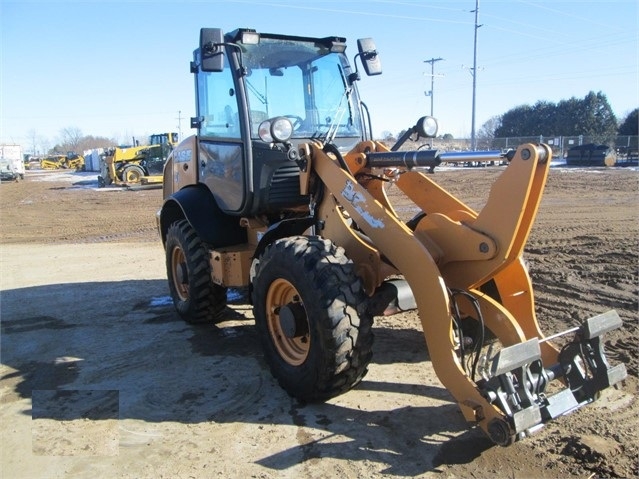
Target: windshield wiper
331,133
260,97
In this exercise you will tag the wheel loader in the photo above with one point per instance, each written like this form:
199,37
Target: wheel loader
136,164
283,191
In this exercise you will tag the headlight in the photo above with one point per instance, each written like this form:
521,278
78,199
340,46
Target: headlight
279,129
264,131
427,127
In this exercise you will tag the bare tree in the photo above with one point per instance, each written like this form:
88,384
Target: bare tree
487,130
388,136
43,145
39,144
33,139
70,138
91,142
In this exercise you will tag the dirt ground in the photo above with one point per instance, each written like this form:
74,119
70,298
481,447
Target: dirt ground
100,378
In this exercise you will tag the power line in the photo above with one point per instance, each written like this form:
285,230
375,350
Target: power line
431,93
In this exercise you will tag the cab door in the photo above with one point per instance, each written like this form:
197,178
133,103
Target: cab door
221,152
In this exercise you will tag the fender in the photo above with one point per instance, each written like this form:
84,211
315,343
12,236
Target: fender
282,229
197,205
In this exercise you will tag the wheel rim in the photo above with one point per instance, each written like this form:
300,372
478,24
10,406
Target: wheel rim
132,175
180,273
293,350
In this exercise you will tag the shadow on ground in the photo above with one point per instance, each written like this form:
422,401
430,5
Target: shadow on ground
118,350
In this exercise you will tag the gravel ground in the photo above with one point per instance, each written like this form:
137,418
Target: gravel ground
100,378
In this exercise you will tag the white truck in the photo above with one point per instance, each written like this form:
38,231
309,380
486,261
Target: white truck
11,163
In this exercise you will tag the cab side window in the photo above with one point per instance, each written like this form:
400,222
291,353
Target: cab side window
218,105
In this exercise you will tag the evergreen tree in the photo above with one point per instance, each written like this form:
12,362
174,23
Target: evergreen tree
630,125
597,118
592,116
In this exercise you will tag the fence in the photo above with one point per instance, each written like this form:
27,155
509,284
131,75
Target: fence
626,146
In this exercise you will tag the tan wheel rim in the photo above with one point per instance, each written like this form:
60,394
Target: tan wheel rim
132,176
293,350
180,273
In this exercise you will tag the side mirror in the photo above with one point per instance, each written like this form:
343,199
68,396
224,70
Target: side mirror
370,59
212,49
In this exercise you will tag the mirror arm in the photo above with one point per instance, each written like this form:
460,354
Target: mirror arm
407,134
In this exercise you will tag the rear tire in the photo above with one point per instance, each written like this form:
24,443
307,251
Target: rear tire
309,312
196,298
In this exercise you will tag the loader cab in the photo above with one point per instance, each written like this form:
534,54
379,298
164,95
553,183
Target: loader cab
170,139
245,78
159,147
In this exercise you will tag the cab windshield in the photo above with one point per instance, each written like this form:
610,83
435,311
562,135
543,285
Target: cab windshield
160,139
303,81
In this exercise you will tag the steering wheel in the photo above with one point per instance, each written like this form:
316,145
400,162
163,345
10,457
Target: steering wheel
295,120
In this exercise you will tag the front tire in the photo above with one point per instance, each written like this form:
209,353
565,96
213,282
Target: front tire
308,304
196,298
132,174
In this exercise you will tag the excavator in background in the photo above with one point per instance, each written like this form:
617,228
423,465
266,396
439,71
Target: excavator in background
128,165
284,191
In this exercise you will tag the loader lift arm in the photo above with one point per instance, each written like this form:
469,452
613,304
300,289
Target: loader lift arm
454,248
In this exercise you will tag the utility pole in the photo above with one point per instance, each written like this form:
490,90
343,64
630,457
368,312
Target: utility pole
431,93
473,141
179,119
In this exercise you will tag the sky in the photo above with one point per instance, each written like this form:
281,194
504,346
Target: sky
120,69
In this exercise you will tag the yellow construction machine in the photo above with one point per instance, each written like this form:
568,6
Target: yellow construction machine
284,191
71,161
75,161
52,162
127,165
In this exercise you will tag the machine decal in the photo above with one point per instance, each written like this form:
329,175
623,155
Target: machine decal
355,198
183,156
